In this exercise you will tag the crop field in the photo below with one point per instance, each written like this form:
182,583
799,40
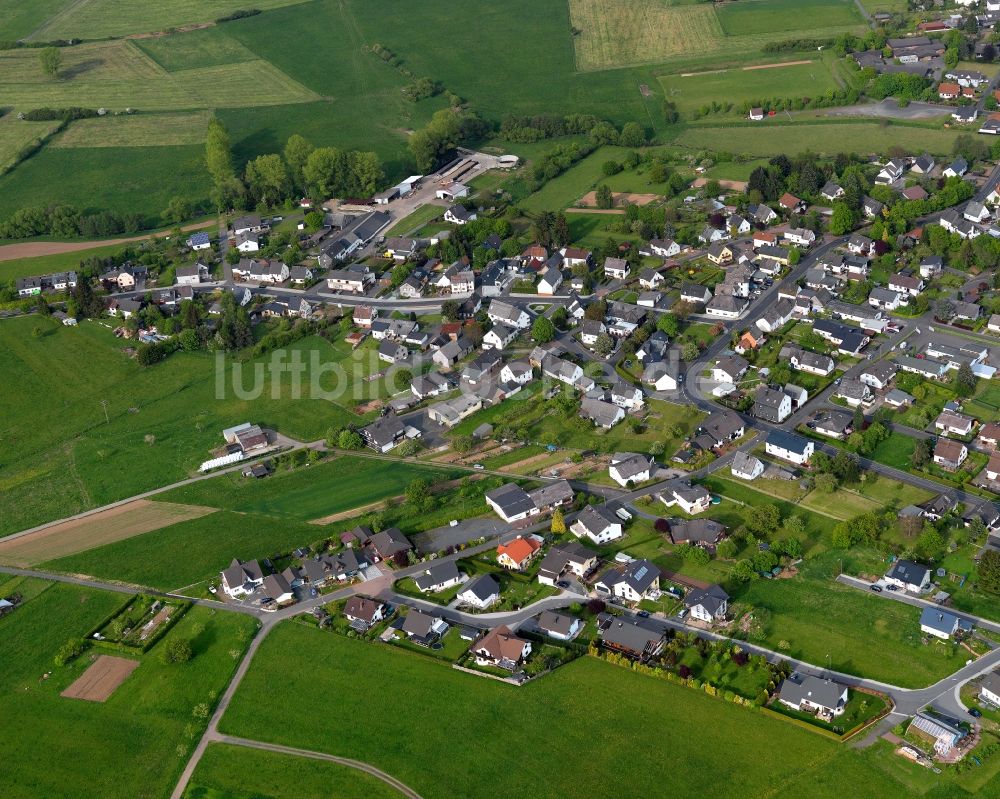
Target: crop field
629,32
102,679
16,134
85,744
103,527
95,19
117,74
164,420
189,552
307,493
138,130
235,772
692,91
586,706
778,136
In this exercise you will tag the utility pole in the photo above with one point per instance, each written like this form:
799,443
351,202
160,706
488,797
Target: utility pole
104,404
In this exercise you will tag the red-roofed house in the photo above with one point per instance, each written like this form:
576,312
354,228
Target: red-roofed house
518,553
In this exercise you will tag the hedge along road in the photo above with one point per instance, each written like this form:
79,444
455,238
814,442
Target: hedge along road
33,249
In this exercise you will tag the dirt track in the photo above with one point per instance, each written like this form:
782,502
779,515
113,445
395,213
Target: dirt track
33,249
101,680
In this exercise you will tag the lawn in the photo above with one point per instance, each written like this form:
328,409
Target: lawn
586,706
781,136
191,552
692,91
309,492
19,19
565,190
137,130
77,460
98,19
840,504
422,216
813,617
74,747
224,773
895,451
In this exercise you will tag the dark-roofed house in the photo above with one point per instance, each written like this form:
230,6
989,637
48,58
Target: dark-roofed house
362,612
558,625
942,624
723,427
568,557
438,576
501,648
707,604
480,592
909,575
423,628
989,689
242,578
511,502
633,582
950,454
384,433
813,695
789,447
629,638
598,524
772,405
629,467
705,533
389,543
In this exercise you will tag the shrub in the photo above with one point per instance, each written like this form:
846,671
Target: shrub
71,650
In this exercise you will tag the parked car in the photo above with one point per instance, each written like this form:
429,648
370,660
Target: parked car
893,587
643,614
975,712
876,588
478,466
562,584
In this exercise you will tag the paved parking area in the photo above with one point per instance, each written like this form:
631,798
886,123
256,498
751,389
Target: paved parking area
462,533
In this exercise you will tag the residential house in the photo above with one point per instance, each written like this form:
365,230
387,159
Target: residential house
726,306
664,248
746,466
507,314
633,582
909,576
853,392
549,281
906,284
603,414
517,554
704,533
831,191
989,689
791,203
951,422
779,314
480,592
616,268
501,648
242,578
459,215
559,625
942,624
437,577
598,524
834,424
950,454
629,638
450,412
992,470
384,433
800,237
810,694
989,434
730,369
956,168
789,447
516,372
630,468
772,405
650,279
570,557
692,499
590,331
511,503
708,604
423,628
364,611
695,293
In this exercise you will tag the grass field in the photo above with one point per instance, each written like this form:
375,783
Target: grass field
230,772
206,47
16,134
117,74
772,16
310,492
862,634
839,504
587,706
692,91
95,19
103,527
43,264
77,460
618,34
189,552
779,136
140,130
72,746
19,19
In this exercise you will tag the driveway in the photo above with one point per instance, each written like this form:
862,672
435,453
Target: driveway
462,533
